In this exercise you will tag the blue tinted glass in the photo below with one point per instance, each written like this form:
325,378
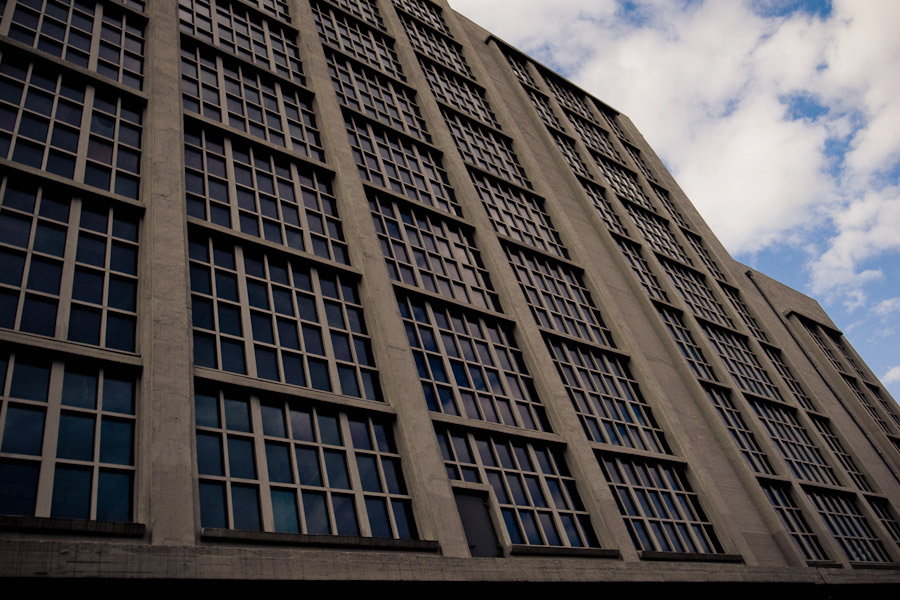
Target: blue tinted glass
117,442
241,461
94,219
71,493
30,380
262,327
76,437
376,508
512,528
38,315
13,264
233,357
359,433
316,513
266,364
206,410
312,340
318,375
200,279
18,488
24,430
345,515
114,496
212,505
301,425
308,465
91,250
237,414
50,239
273,420
293,369
55,209
229,319
329,430
336,466
121,293
226,286
278,459
118,394
209,454
88,285
368,473
120,332
531,528
245,501
84,325
403,517
123,258
393,476
284,509
347,377
204,350
202,313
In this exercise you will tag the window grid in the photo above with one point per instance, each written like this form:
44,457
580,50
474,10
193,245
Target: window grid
366,10
299,324
277,8
849,527
357,40
267,196
889,407
458,92
612,121
659,507
406,168
485,149
696,243
813,330
66,30
376,96
838,341
686,344
535,492
610,218
594,137
752,324
432,254
632,254
676,215
231,27
516,214
741,362
543,109
241,98
78,418
558,298
885,514
114,145
308,468
471,366
624,183
824,427
696,293
436,46
520,70
607,398
797,448
635,155
567,149
426,12
657,233
741,434
792,518
569,98
867,404
94,280
778,360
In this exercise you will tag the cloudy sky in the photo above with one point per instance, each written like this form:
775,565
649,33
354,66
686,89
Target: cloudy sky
779,118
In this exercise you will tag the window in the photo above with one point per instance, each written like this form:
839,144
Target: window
752,324
240,97
740,433
68,439
66,30
696,243
367,10
470,366
607,398
594,137
567,149
568,97
648,281
686,344
268,196
520,70
781,366
867,404
400,165
519,215
741,362
659,507
792,517
266,316
486,149
292,466
624,183
458,92
558,298
531,484
543,109
657,233
377,96
278,8
436,46
96,277
357,40
427,252
666,201
606,212
849,527
824,427
882,508
796,447
425,11
696,293
635,155
234,29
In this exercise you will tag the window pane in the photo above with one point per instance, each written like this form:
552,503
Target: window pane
24,430
18,488
212,505
71,493
114,496
117,442
284,508
80,389
76,437
245,503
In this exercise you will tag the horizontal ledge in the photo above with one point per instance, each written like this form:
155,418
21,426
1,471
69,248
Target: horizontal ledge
321,541
71,526
867,565
824,564
523,550
690,556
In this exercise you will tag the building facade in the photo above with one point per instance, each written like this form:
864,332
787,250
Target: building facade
353,290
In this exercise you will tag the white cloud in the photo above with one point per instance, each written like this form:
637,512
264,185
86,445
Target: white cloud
892,376
887,306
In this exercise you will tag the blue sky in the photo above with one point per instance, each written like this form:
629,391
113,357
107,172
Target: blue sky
779,118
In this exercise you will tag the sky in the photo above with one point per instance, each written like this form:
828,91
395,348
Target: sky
780,119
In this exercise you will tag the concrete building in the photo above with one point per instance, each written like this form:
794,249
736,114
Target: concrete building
352,290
